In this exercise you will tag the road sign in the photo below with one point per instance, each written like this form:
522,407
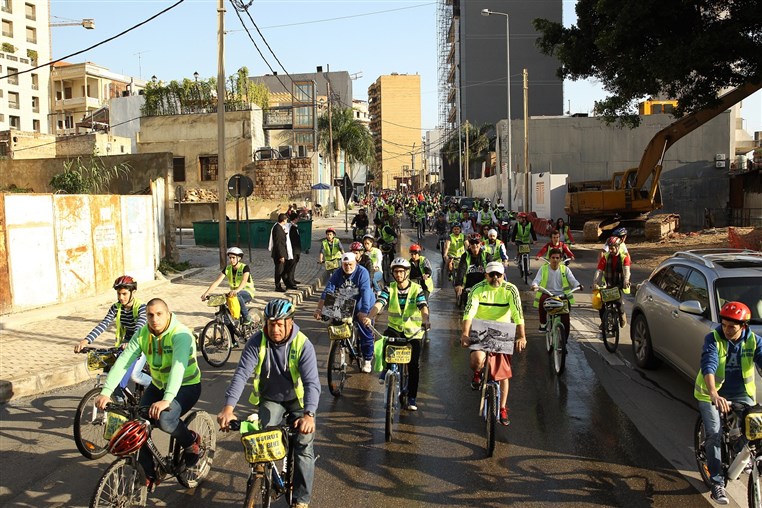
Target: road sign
347,188
240,186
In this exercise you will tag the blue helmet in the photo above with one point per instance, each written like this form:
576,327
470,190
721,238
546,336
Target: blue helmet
280,308
620,232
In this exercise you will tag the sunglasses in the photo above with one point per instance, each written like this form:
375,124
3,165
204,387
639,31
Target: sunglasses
495,275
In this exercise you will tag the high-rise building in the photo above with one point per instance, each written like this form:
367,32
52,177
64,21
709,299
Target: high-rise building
394,105
25,43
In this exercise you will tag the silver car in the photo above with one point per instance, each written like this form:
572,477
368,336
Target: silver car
680,303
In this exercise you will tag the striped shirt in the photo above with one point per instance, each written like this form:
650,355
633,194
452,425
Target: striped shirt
127,321
501,304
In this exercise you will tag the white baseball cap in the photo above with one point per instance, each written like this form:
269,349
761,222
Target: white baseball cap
347,257
494,266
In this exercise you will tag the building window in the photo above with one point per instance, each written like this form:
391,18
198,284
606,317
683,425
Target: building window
31,35
6,6
35,82
31,11
36,104
303,92
13,76
14,121
36,125
13,100
208,168
303,117
178,169
7,28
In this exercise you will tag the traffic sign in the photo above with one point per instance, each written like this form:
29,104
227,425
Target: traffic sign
240,186
347,188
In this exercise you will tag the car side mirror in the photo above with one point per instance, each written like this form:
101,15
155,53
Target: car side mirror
692,307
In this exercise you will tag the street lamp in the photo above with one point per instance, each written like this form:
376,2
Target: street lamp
198,92
487,12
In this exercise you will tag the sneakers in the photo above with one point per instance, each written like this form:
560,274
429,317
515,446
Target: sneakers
192,453
151,484
476,381
300,505
718,494
622,320
411,404
543,327
366,366
504,416
382,377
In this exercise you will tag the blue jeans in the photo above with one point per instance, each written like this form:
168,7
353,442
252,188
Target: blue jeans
271,413
244,297
366,340
377,278
711,418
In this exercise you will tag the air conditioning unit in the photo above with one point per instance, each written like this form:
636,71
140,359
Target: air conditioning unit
265,153
285,151
301,151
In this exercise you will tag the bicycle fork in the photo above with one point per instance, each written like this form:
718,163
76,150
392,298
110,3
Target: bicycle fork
393,373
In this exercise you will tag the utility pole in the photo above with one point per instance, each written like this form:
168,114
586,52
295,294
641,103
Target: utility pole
221,187
330,143
467,154
412,166
424,163
526,141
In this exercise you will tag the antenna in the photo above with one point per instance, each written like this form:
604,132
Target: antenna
356,75
140,67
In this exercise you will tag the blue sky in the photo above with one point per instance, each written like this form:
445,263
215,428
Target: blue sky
184,40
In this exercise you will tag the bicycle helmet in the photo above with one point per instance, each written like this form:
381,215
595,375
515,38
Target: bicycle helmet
620,232
280,308
356,246
330,230
455,225
736,311
614,241
129,438
404,263
235,250
369,237
553,304
522,215
474,238
500,205
125,282
415,248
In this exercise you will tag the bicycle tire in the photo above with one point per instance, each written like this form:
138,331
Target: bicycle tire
559,348
699,440
358,358
525,262
89,423
288,481
389,422
337,368
215,343
203,424
549,338
610,329
490,417
754,487
404,377
257,490
122,484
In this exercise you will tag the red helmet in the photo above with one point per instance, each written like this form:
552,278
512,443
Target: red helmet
415,248
125,282
356,246
330,230
474,238
736,311
614,241
129,438
522,215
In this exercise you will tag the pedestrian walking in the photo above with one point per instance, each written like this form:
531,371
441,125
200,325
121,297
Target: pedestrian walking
280,249
296,250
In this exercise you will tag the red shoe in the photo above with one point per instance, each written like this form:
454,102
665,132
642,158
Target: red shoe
476,381
151,484
192,453
504,416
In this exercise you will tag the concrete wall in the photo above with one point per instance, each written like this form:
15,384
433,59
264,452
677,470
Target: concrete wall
92,143
20,145
124,117
483,187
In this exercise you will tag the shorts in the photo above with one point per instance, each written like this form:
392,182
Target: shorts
500,366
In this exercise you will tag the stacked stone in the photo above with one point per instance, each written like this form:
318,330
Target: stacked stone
282,178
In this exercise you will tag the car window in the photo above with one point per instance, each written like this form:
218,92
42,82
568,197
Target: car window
696,288
658,276
673,279
741,289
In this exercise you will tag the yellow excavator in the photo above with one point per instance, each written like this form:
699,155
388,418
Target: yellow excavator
628,198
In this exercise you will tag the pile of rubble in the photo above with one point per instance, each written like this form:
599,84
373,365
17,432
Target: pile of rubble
198,196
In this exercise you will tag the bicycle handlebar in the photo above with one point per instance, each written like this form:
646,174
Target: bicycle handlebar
100,350
565,295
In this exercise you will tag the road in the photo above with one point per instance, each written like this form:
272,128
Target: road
592,437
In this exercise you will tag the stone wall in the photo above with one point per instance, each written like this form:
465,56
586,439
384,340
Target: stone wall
27,145
276,179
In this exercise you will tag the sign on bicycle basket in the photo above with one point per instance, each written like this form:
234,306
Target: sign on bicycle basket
332,264
524,248
114,422
339,305
610,294
216,300
398,354
753,424
492,336
339,332
264,446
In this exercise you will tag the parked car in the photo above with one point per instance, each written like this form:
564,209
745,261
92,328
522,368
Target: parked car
680,303
467,204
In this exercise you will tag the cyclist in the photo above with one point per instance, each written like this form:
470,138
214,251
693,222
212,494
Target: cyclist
127,324
238,275
354,282
557,278
472,265
563,228
419,214
620,233
454,246
485,217
330,248
495,247
728,357
614,270
376,257
555,243
170,349
360,224
494,299
523,232
466,223
285,382
440,228
408,311
503,220
420,271
453,215
362,258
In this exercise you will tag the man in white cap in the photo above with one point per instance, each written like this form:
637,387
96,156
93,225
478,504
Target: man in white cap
494,299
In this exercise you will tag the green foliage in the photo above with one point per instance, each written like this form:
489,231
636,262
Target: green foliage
349,135
688,51
479,141
90,176
32,54
7,47
168,267
12,189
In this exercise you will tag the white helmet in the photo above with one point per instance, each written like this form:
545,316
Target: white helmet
235,250
553,304
404,263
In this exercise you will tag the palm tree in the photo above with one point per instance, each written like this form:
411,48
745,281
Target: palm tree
480,140
349,135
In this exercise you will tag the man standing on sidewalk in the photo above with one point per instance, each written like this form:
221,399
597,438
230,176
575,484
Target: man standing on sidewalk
296,251
280,249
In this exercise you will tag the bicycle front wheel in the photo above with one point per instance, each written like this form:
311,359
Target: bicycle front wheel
123,484
753,493
559,347
390,392
525,263
202,424
89,424
699,448
216,343
610,329
337,367
258,490
490,399
549,340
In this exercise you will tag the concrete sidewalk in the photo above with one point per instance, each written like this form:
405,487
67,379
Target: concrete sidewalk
37,347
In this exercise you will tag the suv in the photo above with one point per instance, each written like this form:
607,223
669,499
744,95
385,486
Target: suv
680,304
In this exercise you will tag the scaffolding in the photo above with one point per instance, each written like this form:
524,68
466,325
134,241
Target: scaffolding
445,46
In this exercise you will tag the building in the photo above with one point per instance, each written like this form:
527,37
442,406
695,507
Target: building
394,105
24,99
432,163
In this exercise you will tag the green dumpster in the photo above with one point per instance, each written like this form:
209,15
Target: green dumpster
207,233
305,234
259,232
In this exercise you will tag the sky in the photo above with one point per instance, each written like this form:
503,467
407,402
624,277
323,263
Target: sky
366,38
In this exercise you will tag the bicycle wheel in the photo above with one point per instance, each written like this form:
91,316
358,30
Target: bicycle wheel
559,347
525,270
610,329
753,493
215,343
123,484
549,338
89,423
357,358
390,392
202,424
288,481
403,386
490,400
337,367
699,441
258,489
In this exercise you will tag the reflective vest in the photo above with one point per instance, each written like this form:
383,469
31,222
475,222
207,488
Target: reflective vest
120,330
564,234
482,260
420,211
234,279
544,282
159,354
409,320
428,283
388,238
294,354
485,218
453,216
701,392
329,254
492,250
523,232
457,245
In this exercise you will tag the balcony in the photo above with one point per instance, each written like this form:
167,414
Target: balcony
278,118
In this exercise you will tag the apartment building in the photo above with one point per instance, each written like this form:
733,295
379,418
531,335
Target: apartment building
394,106
24,44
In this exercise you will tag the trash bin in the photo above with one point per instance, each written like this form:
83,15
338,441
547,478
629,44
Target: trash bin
305,234
259,232
207,233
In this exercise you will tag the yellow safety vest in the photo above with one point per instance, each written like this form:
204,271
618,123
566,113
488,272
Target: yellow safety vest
457,245
328,250
409,320
544,282
120,330
492,250
234,279
294,355
159,355
523,232
701,392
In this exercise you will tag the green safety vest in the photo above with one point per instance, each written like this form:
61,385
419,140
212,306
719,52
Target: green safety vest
457,245
410,319
428,283
420,212
482,258
453,216
492,250
486,218
120,330
159,357
328,250
234,279
523,232
701,392
294,355
386,237
544,282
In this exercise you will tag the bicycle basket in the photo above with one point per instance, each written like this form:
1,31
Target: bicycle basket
216,300
752,423
524,248
331,264
555,306
398,354
98,361
339,332
610,294
114,422
264,445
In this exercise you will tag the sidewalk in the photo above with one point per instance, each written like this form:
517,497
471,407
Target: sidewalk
37,347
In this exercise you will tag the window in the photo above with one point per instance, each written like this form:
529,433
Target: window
14,121
13,76
178,169
7,28
208,168
697,289
673,279
35,82
303,117
36,125
36,104
31,11
13,100
747,290
31,35
303,92
6,6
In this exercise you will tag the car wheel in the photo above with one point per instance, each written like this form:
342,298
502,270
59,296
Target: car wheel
642,347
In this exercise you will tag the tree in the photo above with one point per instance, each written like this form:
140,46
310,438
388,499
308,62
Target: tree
480,139
687,50
349,135
86,176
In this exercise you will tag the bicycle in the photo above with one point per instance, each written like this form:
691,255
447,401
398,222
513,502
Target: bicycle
555,334
488,404
388,254
610,320
124,481
523,250
263,450
420,227
345,343
89,421
221,334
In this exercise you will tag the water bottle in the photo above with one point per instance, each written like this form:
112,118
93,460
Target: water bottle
739,463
